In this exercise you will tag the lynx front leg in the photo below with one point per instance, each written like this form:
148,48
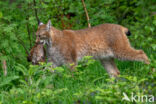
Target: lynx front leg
71,64
110,66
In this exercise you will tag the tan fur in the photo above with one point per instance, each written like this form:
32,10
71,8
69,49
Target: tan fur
104,42
37,54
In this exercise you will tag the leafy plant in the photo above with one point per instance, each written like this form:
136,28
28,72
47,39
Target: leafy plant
89,83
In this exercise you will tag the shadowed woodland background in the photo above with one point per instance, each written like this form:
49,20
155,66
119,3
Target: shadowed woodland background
23,83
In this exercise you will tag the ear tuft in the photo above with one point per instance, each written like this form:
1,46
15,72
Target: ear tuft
49,25
40,23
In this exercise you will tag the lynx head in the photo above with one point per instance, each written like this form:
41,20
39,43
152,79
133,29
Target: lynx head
43,33
37,54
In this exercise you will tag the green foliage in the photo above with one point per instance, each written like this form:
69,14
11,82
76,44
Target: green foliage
89,83
43,84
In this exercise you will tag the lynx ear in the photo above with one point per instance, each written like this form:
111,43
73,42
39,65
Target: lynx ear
48,25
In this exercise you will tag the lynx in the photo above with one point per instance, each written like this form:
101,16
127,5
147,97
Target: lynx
104,42
37,54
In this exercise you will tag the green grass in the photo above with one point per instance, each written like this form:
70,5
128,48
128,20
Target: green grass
89,84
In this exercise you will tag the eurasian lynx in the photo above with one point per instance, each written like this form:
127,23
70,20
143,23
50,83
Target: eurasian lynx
104,42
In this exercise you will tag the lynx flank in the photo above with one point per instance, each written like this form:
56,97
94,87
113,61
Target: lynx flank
37,54
104,42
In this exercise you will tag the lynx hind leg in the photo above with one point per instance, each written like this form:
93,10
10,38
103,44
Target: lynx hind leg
132,55
110,67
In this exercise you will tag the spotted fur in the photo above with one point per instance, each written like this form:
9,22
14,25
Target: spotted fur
104,42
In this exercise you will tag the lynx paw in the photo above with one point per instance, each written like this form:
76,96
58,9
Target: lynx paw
115,75
147,62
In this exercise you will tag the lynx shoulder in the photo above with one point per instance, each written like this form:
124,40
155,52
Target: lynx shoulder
104,42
